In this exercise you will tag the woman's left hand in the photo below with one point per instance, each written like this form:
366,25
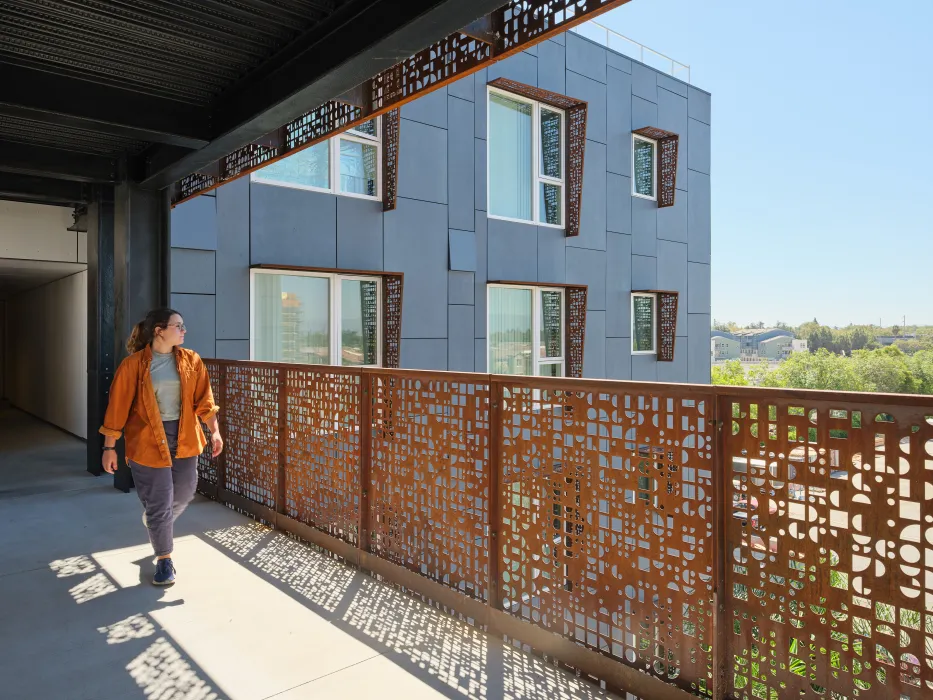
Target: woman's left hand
217,444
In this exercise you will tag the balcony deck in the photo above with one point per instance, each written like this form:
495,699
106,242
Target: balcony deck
254,615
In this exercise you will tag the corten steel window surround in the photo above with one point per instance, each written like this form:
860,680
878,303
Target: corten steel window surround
675,605
573,133
575,298
664,322
334,160
511,29
389,307
667,145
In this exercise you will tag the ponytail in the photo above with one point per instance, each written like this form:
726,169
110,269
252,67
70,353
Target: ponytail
138,338
144,332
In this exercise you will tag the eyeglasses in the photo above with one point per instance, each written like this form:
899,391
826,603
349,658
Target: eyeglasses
180,326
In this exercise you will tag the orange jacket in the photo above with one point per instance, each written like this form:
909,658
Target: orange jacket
133,411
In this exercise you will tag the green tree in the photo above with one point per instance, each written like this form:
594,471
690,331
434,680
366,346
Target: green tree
726,326
860,338
730,373
895,331
817,370
886,370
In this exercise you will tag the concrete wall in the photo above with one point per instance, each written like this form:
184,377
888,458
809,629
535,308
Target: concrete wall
46,341
441,238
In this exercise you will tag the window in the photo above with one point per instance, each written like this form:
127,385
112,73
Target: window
316,318
525,155
644,167
347,164
644,324
525,328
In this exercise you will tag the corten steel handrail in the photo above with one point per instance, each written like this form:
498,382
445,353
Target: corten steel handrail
668,539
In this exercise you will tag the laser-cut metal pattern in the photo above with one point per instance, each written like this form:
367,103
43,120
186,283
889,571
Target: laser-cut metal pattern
429,479
318,125
247,159
440,63
391,139
667,325
322,460
666,155
829,525
615,514
207,464
575,140
576,329
605,521
392,320
525,21
252,426
510,29
193,184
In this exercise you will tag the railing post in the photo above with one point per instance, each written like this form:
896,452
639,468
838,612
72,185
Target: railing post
366,424
280,490
720,548
493,461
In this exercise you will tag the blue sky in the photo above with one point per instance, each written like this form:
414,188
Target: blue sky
822,155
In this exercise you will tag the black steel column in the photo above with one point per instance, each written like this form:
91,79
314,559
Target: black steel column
141,276
100,317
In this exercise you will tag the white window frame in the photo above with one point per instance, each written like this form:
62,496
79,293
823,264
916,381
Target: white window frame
333,145
537,178
334,295
654,169
654,323
537,361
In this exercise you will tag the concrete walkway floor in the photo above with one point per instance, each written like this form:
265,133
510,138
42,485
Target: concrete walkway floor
254,614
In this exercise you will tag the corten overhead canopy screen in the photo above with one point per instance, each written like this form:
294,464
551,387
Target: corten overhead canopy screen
193,93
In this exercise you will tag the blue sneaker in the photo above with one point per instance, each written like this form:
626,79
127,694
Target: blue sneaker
165,573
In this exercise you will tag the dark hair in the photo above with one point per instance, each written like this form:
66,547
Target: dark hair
144,332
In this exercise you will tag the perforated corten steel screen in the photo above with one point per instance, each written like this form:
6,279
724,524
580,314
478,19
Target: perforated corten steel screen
430,478
830,563
322,460
730,542
606,522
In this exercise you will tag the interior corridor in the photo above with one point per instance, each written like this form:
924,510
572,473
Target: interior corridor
254,615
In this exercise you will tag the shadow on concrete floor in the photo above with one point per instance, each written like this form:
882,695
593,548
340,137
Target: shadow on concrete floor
453,657
255,615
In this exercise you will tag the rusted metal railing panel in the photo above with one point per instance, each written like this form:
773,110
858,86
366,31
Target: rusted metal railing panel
605,520
252,439
728,542
830,546
323,448
429,476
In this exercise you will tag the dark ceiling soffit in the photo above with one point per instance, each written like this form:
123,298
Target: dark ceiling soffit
53,162
321,69
512,28
66,101
41,190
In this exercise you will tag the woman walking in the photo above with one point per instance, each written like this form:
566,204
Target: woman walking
159,395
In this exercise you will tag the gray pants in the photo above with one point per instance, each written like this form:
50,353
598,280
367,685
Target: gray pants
165,493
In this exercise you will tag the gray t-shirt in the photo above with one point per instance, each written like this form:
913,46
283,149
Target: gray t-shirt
167,385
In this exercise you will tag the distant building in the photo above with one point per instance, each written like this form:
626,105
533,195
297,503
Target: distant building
800,345
777,348
886,340
750,341
723,346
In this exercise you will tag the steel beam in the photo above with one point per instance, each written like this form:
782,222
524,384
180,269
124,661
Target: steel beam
475,44
321,64
64,101
42,161
42,190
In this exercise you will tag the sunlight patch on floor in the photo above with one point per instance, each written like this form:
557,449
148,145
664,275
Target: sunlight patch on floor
163,674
